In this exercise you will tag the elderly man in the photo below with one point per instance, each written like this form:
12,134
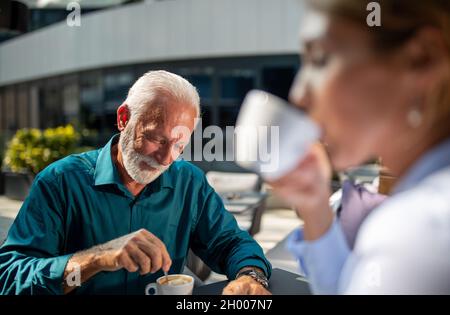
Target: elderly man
112,220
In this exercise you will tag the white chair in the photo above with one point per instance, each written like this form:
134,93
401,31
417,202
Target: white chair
225,182
229,183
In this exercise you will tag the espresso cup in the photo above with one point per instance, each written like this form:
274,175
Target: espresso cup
176,284
272,136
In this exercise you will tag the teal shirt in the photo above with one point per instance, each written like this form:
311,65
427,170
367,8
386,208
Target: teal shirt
79,202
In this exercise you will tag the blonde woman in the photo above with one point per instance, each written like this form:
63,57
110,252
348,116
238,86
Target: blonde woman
377,92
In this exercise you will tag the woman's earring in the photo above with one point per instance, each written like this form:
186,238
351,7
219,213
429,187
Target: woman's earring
414,118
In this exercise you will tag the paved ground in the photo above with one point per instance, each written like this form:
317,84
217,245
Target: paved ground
8,211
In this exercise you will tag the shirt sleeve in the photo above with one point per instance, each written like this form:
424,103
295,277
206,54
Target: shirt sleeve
220,243
402,249
30,259
322,260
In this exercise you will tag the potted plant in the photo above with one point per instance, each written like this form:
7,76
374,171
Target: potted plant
30,151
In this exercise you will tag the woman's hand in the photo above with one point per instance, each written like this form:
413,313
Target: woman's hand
308,189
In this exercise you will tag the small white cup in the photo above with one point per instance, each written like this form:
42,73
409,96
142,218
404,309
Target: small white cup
161,287
271,135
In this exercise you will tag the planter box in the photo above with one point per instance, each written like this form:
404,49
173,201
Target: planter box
17,185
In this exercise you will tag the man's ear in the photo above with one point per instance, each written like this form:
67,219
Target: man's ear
123,116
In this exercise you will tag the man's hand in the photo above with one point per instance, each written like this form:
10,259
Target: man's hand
245,285
139,251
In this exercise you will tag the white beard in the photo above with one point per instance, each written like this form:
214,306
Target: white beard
132,159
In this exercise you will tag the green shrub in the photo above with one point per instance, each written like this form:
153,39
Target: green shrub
31,150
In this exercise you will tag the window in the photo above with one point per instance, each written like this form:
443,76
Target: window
116,85
50,100
234,85
91,100
203,83
278,80
9,99
22,106
2,112
71,100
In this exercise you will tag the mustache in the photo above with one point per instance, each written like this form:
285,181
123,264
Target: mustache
148,160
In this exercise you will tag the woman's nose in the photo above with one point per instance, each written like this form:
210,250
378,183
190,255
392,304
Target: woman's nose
300,94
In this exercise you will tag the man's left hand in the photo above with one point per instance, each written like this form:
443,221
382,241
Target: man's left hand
245,285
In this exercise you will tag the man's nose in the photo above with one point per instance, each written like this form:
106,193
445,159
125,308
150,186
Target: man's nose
164,156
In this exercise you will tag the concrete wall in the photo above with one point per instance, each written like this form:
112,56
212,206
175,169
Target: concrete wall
154,31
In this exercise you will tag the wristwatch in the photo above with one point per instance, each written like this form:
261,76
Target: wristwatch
256,275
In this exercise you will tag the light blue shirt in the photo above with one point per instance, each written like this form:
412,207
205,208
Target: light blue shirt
403,246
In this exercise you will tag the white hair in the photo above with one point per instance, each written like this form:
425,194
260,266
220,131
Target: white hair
155,85
153,88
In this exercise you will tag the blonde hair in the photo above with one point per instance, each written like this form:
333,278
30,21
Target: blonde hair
400,20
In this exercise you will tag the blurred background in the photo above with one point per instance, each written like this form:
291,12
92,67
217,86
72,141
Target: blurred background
52,74
60,86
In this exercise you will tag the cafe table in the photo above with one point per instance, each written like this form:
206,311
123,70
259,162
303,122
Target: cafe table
282,282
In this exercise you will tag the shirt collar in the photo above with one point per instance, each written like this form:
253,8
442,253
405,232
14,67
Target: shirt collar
106,171
432,161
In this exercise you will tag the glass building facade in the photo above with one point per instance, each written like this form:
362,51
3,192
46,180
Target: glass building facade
89,99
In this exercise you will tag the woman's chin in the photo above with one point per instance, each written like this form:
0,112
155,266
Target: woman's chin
344,162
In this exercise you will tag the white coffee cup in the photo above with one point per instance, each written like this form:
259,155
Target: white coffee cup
272,136
176,284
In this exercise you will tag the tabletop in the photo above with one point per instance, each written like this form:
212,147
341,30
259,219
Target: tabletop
281,282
